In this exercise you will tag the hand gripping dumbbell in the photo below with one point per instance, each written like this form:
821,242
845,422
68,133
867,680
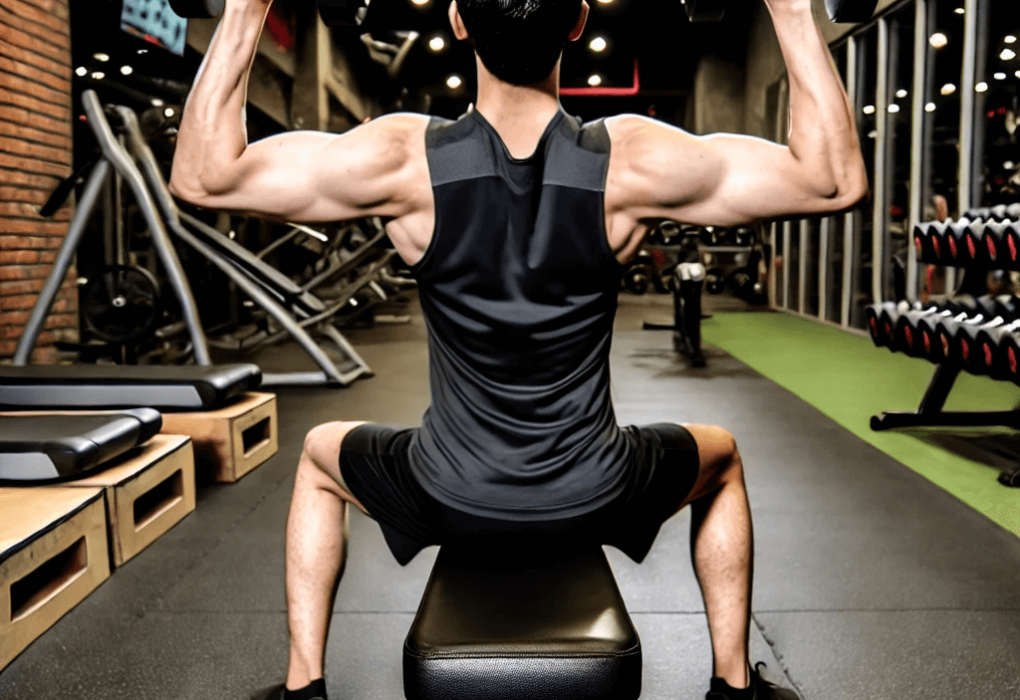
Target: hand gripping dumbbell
357,13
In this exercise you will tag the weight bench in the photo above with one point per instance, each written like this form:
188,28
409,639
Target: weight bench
54,448
102,387
232,428
512,622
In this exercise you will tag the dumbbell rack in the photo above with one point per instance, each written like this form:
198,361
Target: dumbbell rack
984,239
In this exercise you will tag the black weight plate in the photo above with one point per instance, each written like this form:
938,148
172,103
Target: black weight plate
851,11
706,10
342,13
121,304
197,9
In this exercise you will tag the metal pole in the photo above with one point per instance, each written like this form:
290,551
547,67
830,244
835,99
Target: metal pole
879,228
849,222
787,226
917,141
802,265
968,80
37,320
825,232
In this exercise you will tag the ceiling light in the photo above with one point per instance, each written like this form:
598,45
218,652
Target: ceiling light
981,87
595,80
156,102
143,51
81,71
168,112
930,107
454,82
893,109
869,109
101,57
948,89
1007,54
959,11
938,40
98,75
605,2
126,70
1017,74
999,76
901,93
597,44
1010,39
437,43
419,3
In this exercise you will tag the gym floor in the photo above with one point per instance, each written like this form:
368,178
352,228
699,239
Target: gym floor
871,581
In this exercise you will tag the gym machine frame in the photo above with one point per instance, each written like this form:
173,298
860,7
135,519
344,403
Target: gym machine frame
116,157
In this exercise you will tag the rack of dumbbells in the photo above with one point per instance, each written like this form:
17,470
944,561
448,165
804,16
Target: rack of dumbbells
964,333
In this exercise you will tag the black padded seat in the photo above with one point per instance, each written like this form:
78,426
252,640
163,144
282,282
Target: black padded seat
98,387
58,447
512,624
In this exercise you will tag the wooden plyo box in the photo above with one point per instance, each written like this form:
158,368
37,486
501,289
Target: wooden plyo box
53,553
231,440
148,491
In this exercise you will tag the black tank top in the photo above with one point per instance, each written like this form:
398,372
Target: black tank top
519,289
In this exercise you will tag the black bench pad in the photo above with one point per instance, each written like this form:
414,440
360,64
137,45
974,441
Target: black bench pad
95,387
53,447
515,625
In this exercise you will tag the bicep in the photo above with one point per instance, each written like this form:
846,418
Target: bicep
307,177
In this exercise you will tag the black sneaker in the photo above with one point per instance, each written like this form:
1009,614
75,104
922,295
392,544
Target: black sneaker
273,693
763,689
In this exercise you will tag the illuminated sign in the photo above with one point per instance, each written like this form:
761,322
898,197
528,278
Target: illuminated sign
154,22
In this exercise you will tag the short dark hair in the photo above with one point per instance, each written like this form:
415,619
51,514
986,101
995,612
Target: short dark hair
519,41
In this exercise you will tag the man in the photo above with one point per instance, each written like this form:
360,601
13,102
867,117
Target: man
516,220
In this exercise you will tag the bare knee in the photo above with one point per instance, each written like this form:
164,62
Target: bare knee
322,445
719,459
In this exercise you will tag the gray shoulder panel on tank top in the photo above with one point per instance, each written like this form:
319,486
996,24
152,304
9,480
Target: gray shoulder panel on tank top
582,168
452,155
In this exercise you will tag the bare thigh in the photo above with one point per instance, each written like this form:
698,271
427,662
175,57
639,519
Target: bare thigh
718,460
322,448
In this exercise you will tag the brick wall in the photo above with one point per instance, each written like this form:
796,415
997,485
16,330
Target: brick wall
35,154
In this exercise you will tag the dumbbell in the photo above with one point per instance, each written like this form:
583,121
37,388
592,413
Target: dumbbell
917,332
1000,212
956,348
880,319
977,344
905,336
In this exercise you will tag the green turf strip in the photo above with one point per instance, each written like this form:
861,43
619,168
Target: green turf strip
848,379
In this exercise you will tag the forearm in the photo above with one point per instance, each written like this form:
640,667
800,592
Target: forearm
823,135
213,133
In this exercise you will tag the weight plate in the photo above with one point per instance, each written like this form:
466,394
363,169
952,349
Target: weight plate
121,304
197,9
706,10
851,11
343,13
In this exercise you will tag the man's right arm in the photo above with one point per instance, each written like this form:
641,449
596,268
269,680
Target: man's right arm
727,180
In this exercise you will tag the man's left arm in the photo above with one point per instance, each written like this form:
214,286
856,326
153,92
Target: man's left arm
300,176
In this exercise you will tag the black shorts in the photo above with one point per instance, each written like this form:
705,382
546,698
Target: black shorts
374,462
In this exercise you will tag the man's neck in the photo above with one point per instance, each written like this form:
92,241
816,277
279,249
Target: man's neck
517,108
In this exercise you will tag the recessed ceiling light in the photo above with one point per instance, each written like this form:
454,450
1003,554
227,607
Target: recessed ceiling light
437,43
595,80
101,57
454,82
597,44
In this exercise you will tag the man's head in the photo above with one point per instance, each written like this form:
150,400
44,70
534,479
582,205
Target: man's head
519,41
